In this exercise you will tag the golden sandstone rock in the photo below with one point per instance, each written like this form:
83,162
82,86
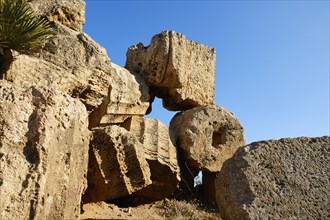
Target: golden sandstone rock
83,70
179,71
279,179
49,99
209,135
117,165
69,13
160,154
44,141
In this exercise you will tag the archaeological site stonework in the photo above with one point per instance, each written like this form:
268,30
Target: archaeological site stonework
276,179
74,131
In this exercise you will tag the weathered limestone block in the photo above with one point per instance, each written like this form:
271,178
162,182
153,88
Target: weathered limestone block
83,70
69,13
128,96
209,135
161,156
117,165
44,141
181,72
72,62
276,179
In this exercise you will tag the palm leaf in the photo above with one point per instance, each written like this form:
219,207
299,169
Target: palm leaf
19,29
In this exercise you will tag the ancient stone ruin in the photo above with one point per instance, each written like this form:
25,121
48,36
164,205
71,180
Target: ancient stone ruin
179,71
44,143
276,179
73,131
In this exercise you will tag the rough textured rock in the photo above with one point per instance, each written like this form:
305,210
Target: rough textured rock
44,142
181,72
161,156
67,68
128,96
209,135
277,179
83,70
117,165
69,13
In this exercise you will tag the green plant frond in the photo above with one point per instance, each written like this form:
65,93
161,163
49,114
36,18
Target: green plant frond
19,28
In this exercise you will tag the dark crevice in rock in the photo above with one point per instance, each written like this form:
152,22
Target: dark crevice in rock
218,138
93,172
96,116
186,187
30,150
6,58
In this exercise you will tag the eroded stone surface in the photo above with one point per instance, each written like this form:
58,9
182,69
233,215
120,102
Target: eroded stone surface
276,179
209,135
67,68
83,69
128,96
181,72
69,13
161,156
44,142
117,165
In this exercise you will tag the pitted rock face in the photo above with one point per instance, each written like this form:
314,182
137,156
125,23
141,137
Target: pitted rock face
161,156
128,96
44,140
276,179
69,13
117,165
110,93
209,135
77,69
181,72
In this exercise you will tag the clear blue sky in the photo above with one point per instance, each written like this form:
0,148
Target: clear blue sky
272,56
